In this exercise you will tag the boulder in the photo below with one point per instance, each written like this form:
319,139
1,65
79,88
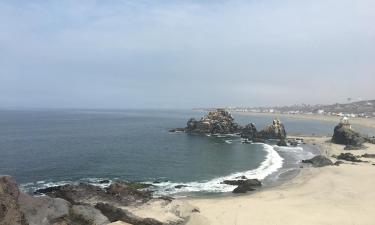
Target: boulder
243,188
89,214
319,161
43,210
349,157
274,131
10,213
120,223
345,135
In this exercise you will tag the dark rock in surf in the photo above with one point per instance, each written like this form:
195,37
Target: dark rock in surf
319,161
180,186
248,182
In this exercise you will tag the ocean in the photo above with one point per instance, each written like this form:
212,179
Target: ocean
42,148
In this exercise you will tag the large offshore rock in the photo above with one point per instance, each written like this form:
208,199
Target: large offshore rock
10,213
274,131
319,161
43,210
215,122
345,135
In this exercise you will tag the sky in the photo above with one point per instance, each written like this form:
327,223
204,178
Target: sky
185,54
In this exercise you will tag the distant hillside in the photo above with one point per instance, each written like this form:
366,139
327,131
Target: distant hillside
353,109
361,107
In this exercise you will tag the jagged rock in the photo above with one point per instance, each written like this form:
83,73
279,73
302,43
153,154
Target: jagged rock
366,155
349,157
118,193
10,213
249,131
43,210
116,214
89,214
130,191
345,135
274,131
216,122
248,182
319,161
243,186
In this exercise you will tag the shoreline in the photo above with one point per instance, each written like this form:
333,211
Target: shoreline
326,195
364,122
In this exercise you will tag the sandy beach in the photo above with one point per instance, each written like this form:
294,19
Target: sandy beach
365,122
329,195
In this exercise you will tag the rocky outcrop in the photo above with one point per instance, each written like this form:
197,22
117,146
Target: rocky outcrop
215,122
349,157
343,134
319,161
244,186
43,210
366,155
274,131
120,193
10,213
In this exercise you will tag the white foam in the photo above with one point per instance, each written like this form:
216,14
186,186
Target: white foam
271,164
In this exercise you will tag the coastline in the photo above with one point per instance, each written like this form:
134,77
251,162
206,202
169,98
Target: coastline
327,195
364,122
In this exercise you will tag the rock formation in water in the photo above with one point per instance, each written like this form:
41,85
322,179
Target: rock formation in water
276,130
345,135
222,122
215,122
85,204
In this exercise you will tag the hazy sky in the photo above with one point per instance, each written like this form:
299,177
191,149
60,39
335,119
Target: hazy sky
174,53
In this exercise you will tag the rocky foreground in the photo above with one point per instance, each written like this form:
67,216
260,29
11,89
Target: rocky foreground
85,204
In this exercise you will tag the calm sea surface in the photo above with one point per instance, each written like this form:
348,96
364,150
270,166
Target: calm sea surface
70,145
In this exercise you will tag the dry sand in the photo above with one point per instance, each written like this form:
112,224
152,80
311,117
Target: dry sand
331,195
